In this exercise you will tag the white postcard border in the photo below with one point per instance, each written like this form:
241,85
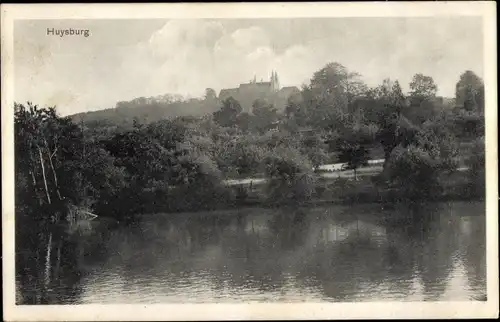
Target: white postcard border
249,311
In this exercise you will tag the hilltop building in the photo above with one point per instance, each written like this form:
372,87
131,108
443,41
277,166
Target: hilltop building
271,91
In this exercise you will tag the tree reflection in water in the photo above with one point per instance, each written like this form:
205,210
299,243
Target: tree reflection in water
51,260
333,254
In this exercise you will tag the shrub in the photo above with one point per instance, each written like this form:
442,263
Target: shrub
414,172
415,168
290,175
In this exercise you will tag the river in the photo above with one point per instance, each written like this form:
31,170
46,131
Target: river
433,252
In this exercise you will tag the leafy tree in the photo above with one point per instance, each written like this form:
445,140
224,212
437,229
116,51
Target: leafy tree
290,175
414,172
32,150
294,107
415,169
59,166
210,94
394,127
440,143
315,148
265,114
423,87
469,92
247,158
282,138
244,122
382,91
94,180
331,92
196,183
240,156
298,110
353,145
195,167
396,97
171,166
142,156
335,84
423,103
227,115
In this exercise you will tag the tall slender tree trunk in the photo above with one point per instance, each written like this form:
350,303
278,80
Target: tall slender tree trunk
53,172
44,177
35,188
33,178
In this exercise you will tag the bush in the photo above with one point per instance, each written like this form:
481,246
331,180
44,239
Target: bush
290,174
414,172
244,158
415,169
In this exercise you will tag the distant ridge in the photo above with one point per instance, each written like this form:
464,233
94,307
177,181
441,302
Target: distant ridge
148,110
151,109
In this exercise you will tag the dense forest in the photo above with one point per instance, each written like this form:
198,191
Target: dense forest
144,162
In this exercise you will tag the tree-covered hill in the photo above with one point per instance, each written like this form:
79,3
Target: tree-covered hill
146,111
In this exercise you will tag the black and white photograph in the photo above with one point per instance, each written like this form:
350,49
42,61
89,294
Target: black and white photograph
247,159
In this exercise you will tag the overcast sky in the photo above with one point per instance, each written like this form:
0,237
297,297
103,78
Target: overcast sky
125,59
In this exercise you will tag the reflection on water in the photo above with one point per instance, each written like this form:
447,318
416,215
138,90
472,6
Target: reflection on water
361,253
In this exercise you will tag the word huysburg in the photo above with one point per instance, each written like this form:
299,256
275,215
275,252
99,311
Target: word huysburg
68,32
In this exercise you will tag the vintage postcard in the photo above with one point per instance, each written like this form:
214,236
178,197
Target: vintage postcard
232,161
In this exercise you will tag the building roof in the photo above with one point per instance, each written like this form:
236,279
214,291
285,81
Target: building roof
287,91
255,85
228,92
289,88
245,88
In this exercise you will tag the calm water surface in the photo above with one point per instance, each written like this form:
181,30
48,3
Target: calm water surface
360,253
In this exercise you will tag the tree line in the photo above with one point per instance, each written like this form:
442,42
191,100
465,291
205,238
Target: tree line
179,164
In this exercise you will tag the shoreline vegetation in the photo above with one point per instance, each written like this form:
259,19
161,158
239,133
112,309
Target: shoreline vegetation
432,149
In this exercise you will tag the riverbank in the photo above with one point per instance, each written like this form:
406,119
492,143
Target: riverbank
330,188
342,191
366,187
